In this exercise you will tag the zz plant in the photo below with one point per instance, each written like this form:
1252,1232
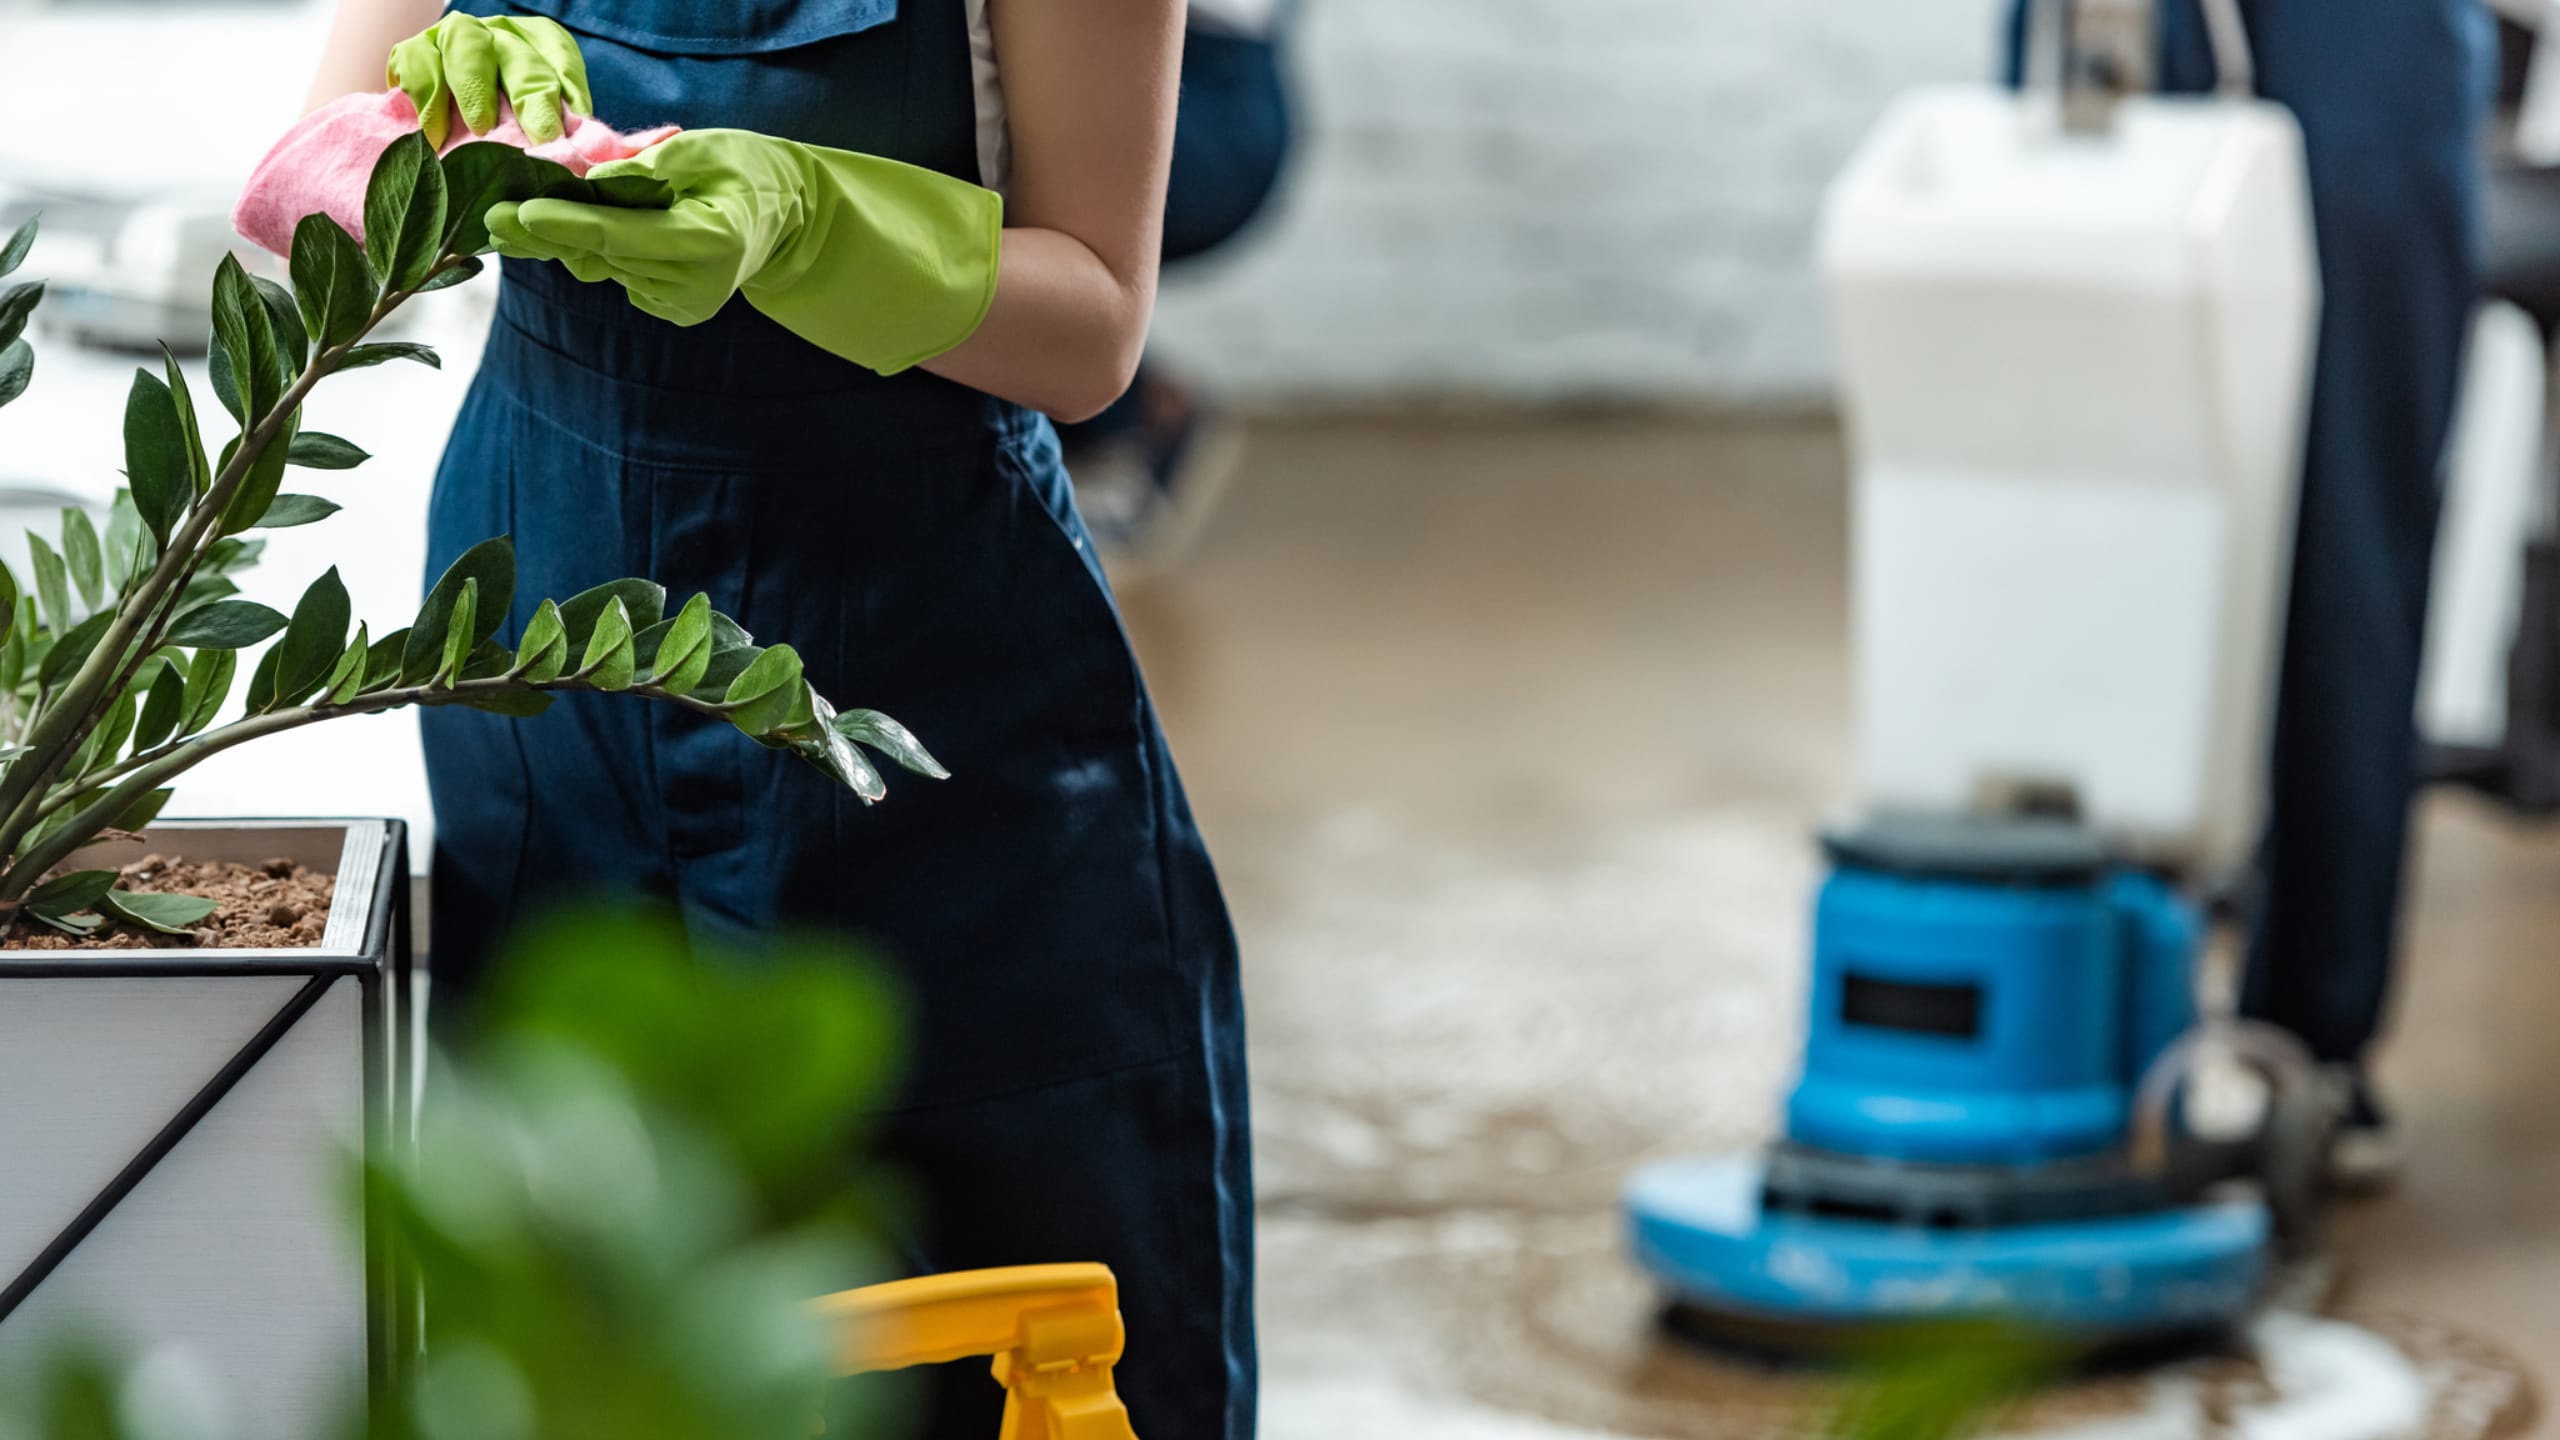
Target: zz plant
121,653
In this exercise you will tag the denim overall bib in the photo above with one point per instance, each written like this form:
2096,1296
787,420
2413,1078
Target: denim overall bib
1077,1077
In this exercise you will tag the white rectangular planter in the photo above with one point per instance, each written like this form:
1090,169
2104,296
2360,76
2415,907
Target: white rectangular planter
175,1127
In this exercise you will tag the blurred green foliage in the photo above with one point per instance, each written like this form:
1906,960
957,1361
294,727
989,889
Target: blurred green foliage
1941,1382
626,1189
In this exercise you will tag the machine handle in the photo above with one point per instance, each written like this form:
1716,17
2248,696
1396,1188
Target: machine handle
1054,1332
2104,50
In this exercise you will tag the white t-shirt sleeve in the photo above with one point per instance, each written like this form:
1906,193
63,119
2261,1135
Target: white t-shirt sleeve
995,139
1250,17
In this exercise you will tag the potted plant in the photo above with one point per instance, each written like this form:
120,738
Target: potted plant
173,1202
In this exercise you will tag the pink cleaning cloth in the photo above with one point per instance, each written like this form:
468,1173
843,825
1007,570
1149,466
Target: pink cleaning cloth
324,162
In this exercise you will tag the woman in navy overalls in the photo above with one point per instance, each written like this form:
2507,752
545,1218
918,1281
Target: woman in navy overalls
1078,1082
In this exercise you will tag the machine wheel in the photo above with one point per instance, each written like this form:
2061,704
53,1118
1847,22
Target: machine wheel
2293,1159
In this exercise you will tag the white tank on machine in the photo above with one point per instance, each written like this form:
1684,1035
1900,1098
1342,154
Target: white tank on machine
2075,363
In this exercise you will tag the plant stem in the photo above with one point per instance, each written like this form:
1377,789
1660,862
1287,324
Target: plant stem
145,773
64,725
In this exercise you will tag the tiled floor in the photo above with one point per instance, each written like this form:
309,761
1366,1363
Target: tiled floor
1508,735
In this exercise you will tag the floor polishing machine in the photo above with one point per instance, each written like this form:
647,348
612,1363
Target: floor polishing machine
2074,326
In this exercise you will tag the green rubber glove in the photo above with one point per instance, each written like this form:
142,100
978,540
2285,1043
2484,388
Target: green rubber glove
885,264
532,62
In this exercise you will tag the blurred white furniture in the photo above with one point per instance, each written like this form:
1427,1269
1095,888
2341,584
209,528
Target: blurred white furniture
2489,697
2075,370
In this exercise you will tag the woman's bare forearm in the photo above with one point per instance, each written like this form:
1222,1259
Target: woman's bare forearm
360,40
1064,332
1089,89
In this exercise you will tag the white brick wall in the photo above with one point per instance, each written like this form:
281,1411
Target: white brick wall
1558,199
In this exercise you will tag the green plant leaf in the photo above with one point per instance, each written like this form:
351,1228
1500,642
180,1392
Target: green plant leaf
18,651
284,317
16,304
260,697
209,676
65,893
684,676
313,450
202,591
290,510
8,607
69,651
161,712
607,662
190,431
168,914
225,377
683,653
544,651
488,661
331,280
382,663
82,555
491,566
53,584
248,504
478,175
124,540
76,802
17,369
891,739
107,741
643,601
247,335
457,634
384,351
82,923
821,743
225,625
316,637
14,253
404,204
229,554
167,657
451,275
727,664
347,677
761,699
145,810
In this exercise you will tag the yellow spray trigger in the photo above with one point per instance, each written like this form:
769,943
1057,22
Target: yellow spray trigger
1054,1331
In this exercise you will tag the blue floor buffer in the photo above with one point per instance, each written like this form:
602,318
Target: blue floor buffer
2074,332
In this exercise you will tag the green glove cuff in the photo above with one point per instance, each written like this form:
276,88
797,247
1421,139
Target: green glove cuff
891,264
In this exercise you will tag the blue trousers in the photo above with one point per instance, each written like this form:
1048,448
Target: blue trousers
2389,94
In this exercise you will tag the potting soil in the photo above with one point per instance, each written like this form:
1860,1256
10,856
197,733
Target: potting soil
280,904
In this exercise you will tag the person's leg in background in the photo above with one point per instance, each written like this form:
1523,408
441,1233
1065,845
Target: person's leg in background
2389,94
1149,469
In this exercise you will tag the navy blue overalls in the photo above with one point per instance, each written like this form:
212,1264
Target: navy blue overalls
1078,1079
